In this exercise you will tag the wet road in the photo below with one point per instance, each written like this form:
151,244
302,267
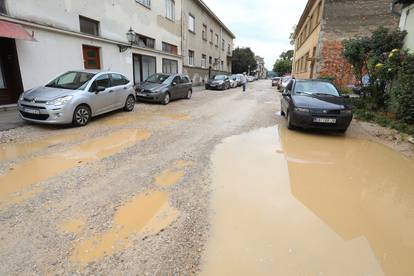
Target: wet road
215,184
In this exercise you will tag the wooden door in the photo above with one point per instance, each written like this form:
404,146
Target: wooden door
91,57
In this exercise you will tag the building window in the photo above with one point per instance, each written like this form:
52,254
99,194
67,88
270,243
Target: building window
89,26
203,61
223,44
204,35
190,57
216,63
191,23
3,6
170,9
229,49
169,66
210,60
91,57
217,40
144,66
222,66
144,41
146,3
211,36
169,48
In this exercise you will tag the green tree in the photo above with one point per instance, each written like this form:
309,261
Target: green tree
356,52
243,60
283,65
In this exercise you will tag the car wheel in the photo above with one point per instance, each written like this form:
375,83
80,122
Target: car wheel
129,103
227,86
282,112
81,116
166,99
289,120
189,94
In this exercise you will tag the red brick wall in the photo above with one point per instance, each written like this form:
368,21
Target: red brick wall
334,64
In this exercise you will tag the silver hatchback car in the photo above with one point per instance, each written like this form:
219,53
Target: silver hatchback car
77,96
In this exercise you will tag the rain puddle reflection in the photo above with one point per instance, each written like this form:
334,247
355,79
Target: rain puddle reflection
32,171
145,214
306,204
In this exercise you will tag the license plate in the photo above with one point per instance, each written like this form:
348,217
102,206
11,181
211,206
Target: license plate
31,111
324,120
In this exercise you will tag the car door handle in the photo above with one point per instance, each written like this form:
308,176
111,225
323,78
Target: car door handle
125,88
111,91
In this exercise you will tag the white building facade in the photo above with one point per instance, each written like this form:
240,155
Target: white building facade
65,35
407,24
207,44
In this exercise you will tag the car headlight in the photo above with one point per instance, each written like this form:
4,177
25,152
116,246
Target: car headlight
21,97
60,101
346,111
300,109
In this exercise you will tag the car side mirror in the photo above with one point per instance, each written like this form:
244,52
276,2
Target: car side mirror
174,83
99,89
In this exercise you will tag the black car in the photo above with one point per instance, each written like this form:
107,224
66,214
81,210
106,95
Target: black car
315,104
220,82
163,88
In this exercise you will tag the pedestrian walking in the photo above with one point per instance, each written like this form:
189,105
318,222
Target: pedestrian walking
244,81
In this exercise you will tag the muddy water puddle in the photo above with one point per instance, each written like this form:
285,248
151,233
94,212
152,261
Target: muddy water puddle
173,174
293,203
144,214
12,151
29,172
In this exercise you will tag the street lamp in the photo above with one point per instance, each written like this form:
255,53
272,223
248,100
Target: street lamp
131,37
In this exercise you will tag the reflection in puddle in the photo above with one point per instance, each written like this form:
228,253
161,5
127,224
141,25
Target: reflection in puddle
72,226
347,209
12,151
41,168
144,214
172,175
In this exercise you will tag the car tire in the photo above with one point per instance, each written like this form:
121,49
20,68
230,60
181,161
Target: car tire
289,120
189,94
167,99
129,103
282,113
227,86
81,116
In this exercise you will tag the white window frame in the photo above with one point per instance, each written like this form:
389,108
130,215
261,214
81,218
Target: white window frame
191,55
170,9
203,61
191,23
146,3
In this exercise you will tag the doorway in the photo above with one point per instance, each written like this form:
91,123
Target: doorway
144,66
10,79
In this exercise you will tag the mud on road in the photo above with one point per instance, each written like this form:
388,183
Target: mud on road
180,188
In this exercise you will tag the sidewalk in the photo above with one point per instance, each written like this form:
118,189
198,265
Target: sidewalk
10,119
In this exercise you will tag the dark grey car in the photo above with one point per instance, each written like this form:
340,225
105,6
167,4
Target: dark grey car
162,88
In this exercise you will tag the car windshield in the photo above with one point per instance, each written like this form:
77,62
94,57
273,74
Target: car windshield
157,78
316,88
71,80
219,77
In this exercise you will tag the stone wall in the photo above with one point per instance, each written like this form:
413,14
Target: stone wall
344,19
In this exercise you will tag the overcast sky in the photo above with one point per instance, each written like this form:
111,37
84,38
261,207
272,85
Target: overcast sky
263,25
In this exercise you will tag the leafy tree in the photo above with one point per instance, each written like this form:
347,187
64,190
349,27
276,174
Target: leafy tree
242,59
283,65
356,52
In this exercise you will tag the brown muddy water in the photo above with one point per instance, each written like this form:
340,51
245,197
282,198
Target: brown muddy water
293,203
144,214
16,183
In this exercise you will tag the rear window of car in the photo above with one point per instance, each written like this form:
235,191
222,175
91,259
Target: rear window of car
118,79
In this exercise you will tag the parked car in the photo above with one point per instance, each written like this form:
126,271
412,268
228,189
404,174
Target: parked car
221,82
233,83
275,81
237,78
315,104
163,88
284,82
250,78
77,96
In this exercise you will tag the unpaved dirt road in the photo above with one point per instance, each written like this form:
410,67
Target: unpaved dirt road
215,185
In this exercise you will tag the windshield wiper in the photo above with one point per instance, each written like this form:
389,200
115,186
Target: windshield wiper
325,94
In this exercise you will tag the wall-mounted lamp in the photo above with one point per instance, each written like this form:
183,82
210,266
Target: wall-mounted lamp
131,37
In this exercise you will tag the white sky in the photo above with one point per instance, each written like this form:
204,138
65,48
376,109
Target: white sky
262,25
